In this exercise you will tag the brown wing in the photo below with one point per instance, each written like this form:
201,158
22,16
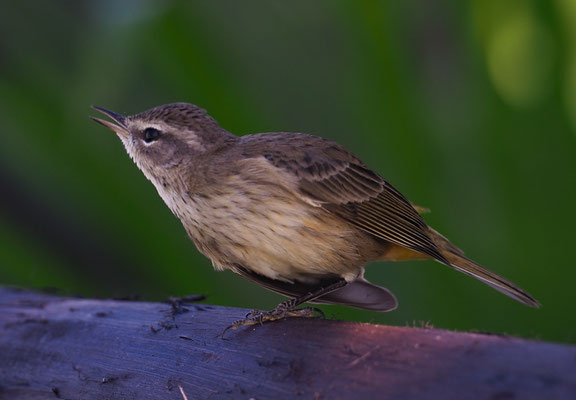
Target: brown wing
333,177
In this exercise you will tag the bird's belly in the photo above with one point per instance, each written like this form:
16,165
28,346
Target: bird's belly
277,235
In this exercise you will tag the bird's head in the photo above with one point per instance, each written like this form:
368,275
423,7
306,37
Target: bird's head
166,137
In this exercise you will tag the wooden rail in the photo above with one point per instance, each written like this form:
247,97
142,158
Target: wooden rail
68,348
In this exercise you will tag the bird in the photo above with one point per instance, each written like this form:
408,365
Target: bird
295,213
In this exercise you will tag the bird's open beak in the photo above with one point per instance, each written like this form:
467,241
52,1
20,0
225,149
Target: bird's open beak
117,126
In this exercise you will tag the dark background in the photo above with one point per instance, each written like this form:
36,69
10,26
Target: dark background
467,107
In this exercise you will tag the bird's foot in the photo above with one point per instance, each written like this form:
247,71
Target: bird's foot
282,311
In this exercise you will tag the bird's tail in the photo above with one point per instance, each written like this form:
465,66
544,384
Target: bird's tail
459,262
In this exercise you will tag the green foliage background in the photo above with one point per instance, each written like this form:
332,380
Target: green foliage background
467,107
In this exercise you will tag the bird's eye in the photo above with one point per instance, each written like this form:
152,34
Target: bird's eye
151,134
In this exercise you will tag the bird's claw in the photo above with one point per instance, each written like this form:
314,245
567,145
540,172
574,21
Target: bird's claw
258,317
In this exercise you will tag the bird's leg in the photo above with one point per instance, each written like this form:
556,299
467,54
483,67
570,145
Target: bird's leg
288,308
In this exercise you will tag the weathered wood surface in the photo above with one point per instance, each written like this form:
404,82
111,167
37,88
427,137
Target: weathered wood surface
67,348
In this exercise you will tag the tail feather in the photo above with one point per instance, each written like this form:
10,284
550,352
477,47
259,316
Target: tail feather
459,262
502,285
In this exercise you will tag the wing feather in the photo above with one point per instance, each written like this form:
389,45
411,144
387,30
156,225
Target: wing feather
333,177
